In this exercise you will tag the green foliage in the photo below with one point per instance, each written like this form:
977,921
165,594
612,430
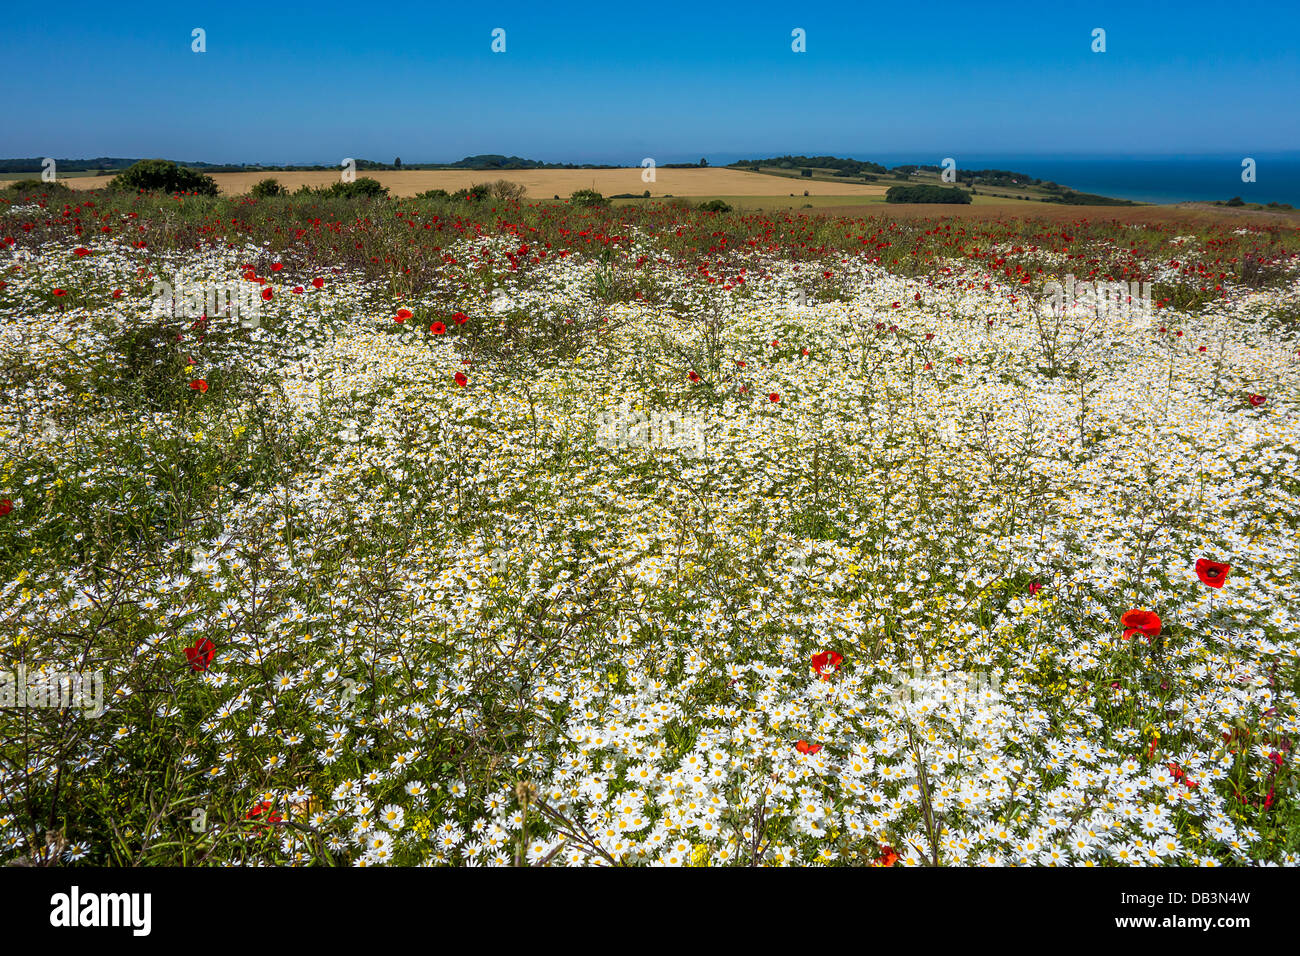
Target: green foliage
161,175
25,186
714,205
587,197
267,187
363,187
926,194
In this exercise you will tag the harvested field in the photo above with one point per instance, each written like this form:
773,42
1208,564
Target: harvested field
545,183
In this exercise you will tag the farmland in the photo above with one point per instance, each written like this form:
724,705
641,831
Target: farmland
545,183
494,533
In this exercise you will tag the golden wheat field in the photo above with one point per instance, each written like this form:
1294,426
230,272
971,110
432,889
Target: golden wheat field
545,183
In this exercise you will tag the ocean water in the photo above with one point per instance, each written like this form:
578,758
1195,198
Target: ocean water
1155,179
1165,179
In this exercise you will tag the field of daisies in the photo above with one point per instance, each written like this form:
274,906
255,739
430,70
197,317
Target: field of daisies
550,536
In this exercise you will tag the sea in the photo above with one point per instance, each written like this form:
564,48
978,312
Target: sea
1153,179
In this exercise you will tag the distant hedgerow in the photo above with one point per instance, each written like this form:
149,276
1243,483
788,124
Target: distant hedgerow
926,194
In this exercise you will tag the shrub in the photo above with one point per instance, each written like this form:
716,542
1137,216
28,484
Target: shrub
365,186
926,194
503,190
161,175
475,193
267,187
36,186
1235,201
714,205
588,197
434,194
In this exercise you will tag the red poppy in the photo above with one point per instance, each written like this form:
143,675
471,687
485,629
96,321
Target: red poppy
267,293
1201,349
806,748
117,293
437,328
81,251
773,397
6,506
318,282
461,380
297,290
200,654
1034,587
59,292
260,809
1256,400
1212,573
820,662
277,266
888,857
1138,621
403,315
263,808
199,385
693,375
460,318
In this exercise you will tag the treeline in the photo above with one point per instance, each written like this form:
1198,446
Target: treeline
847,167
997,177
33,164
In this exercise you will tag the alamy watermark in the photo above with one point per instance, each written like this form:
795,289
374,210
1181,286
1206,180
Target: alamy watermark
195,300
1104,299
53,690
624,427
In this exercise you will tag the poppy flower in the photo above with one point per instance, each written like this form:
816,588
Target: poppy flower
1212,573
117,293
297,290
1256,400
200,654
6,506
824,660
693,375
403,315
199,385
888,857
263,808
773,397
318,282
437,328
460,318
81,251
461,380
267,294
1138,621
806,748
59,292
277,266
1034,587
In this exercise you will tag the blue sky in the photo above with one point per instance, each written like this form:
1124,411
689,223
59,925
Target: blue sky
620,81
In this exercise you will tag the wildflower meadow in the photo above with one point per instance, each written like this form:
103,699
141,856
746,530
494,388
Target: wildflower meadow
487,531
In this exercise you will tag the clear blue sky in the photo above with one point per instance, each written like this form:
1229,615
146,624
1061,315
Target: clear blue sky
619,81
